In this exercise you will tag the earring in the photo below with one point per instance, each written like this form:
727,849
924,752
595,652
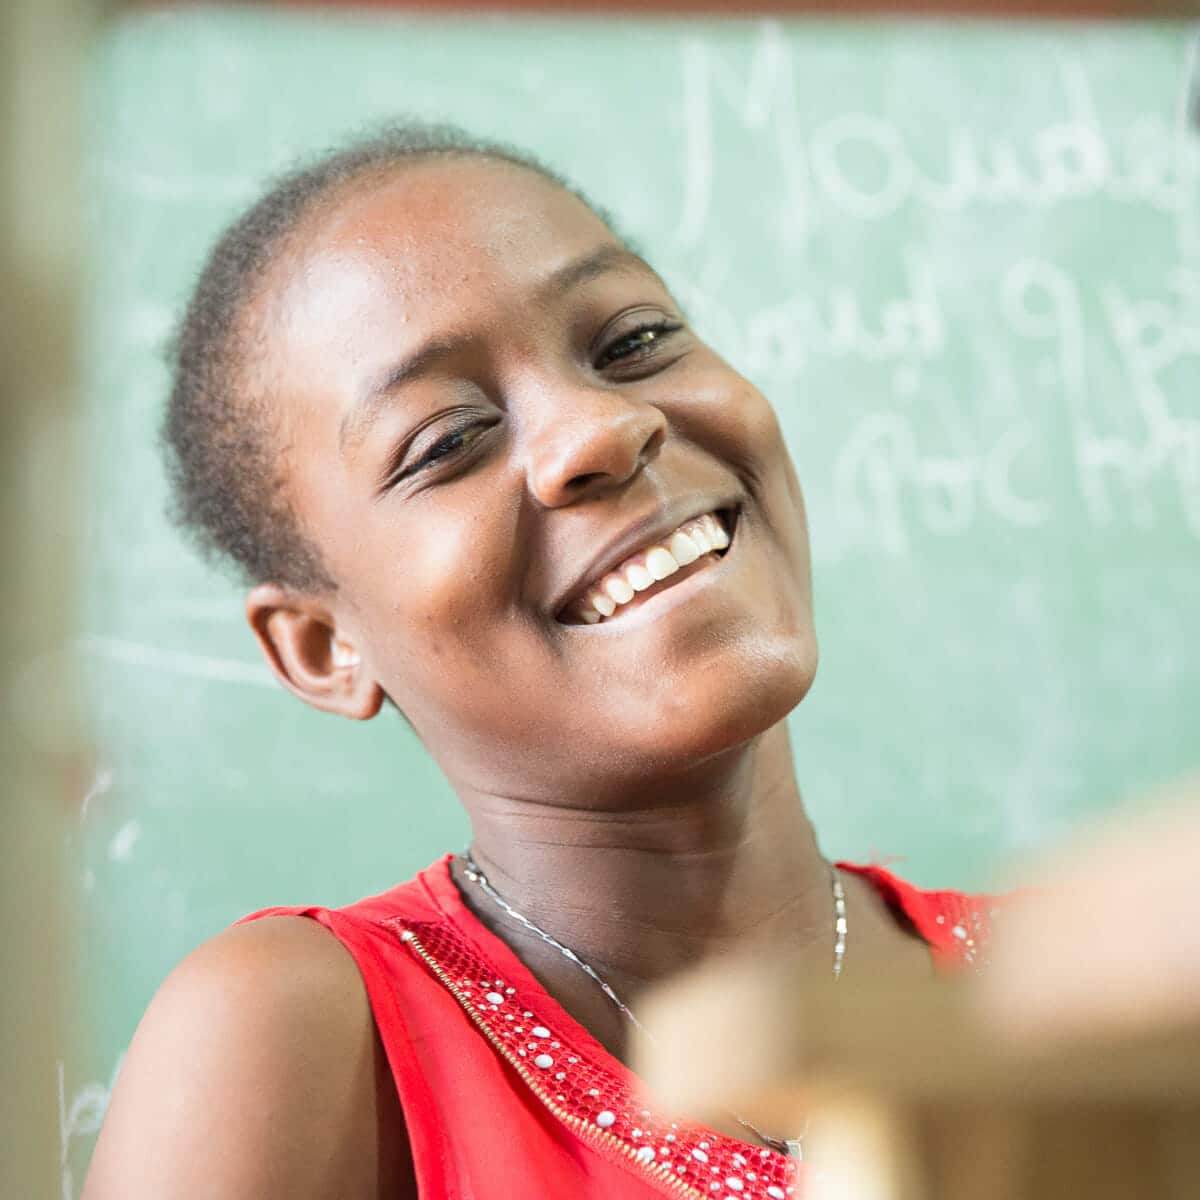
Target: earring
344,656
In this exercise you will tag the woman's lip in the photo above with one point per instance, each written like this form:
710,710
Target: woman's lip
704,562
643,534
675,589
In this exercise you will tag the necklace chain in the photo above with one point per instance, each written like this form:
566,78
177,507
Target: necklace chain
476,876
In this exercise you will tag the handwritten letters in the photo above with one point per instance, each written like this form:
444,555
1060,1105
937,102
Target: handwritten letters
1061,352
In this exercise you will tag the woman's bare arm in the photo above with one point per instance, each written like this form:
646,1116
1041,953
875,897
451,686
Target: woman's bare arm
256,1072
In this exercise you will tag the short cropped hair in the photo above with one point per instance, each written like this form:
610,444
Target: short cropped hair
221,444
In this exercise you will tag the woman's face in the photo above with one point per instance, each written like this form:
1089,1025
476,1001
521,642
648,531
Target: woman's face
489,407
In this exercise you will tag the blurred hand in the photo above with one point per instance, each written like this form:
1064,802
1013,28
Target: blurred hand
1104,948
1110,942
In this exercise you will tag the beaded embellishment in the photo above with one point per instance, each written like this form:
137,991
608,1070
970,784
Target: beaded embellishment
589,1097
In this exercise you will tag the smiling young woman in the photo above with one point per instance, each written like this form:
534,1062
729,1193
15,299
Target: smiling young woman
472,460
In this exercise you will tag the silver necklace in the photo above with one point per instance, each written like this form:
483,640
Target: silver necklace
789,1146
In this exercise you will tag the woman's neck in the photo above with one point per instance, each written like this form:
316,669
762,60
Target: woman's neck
722,861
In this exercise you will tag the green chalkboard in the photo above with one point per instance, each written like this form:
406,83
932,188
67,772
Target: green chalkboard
964,262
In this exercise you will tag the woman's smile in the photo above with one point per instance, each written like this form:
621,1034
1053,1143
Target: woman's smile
673,594
660,562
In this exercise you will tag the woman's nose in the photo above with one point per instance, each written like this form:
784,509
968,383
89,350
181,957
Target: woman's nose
590,440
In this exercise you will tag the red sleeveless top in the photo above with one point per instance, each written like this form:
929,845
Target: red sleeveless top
506,1097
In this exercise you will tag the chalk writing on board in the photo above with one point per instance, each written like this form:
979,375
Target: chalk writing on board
198,666
905,327
1148,443
1156,162
122,843
80,1117
783,338
101,784
882,471
1134,463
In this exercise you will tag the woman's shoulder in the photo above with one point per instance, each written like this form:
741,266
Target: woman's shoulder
421,898
279,968
255,1071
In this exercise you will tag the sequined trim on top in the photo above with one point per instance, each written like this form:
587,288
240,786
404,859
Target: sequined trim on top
591,1099
972,930
956,926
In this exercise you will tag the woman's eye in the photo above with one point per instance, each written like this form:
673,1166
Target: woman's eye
445,446
637,344
450,444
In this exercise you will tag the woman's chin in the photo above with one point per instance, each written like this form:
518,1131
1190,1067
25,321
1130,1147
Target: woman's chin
726,709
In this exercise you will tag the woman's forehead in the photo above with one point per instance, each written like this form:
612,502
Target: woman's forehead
435,229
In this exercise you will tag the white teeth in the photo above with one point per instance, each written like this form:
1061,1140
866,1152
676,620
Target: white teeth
660,563
604,604
716,532
639,578
687,544
618,588
697,532
683,549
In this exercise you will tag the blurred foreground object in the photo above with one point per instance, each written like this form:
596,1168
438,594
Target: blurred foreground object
1114,941
903,1095
1069,1066
41,44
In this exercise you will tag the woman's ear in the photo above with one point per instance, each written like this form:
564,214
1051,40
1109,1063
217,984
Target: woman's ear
309,655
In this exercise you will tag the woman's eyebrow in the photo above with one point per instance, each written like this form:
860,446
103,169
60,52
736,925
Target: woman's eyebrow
609,257
378,392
